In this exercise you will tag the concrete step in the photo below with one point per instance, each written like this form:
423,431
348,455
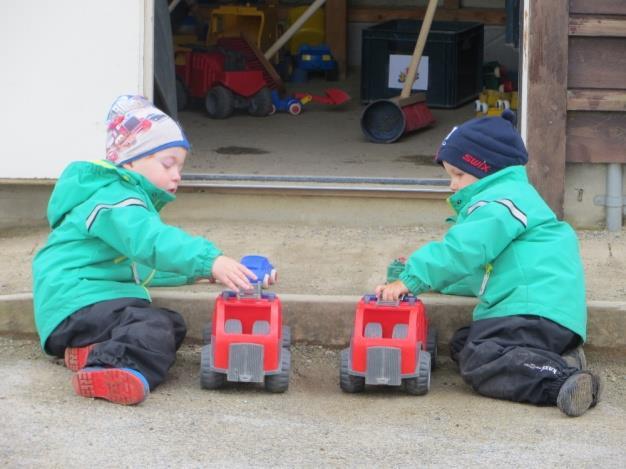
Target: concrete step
340,201
326,319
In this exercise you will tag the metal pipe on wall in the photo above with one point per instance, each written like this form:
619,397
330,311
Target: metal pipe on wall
614,198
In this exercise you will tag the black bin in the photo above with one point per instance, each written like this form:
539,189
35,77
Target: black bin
455,54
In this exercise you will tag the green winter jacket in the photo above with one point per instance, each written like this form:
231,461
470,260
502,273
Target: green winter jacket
508,249
108,242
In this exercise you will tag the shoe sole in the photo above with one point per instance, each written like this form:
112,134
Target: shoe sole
113,384
76,357
577,394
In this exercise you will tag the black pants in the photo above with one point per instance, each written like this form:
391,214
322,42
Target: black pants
517,358
129,333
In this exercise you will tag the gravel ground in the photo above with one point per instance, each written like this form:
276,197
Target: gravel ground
314,424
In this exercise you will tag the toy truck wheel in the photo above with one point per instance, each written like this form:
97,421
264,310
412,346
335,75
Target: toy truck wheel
207,330
295,109
286,336
431,347
280,381
347,382
273,276
209,379
421,383
260,104
219,102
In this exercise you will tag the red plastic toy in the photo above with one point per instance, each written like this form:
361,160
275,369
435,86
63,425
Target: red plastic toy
222,79
247,343
391,345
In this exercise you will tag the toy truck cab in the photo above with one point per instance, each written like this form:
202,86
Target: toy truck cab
391,345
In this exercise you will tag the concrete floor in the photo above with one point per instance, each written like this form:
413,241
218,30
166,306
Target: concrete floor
322,141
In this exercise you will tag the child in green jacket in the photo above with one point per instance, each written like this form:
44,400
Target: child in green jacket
108,243
508,249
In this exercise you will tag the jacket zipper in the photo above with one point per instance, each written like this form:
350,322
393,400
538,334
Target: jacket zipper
483,286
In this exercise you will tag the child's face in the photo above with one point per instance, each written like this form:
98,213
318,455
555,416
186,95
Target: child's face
162,169
458,178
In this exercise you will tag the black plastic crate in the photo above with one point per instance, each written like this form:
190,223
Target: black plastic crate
455,54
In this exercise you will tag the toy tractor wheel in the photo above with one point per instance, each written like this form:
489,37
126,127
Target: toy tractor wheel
182,96
273,111
273,276
260,104
348,382
431,347
286,336
219,102
280,381
421,383
295,109
209,379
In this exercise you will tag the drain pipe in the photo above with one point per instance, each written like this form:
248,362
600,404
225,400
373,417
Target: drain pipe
614,201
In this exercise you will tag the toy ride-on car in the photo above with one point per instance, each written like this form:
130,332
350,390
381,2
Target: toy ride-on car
391,345
247,341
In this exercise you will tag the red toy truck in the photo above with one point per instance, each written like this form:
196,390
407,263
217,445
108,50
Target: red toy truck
248,343
391,345
222,79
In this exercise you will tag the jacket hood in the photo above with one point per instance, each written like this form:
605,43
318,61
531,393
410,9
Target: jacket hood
81,179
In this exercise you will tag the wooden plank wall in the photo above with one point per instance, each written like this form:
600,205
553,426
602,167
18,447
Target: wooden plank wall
545,40
596,94
576,109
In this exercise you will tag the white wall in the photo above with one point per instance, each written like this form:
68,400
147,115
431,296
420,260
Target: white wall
63,63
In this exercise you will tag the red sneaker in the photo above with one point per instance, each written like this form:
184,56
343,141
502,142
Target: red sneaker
76,357
118,385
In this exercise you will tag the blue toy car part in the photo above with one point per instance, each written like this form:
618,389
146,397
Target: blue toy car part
289,104
315,58
260,265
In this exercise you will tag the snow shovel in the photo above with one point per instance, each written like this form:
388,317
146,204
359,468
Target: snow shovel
386,120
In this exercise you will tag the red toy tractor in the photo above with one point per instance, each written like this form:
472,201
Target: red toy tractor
223,80
391,345
247,342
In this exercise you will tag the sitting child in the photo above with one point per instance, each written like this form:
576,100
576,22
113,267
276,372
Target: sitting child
507,248
108,243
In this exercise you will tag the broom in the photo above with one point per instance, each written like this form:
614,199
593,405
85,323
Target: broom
386,120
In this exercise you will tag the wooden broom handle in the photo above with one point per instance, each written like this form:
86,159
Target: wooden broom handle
419,48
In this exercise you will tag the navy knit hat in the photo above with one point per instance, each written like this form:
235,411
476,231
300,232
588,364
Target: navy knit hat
483,146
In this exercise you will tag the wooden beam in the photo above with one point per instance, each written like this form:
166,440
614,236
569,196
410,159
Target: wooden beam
596,100
546,41
378,14
595,26
596,137
597,62
598,7
452,4
337,33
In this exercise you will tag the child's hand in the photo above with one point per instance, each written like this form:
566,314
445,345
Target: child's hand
231,273
391,291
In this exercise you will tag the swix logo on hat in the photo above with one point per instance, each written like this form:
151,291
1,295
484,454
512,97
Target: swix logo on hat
476,163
